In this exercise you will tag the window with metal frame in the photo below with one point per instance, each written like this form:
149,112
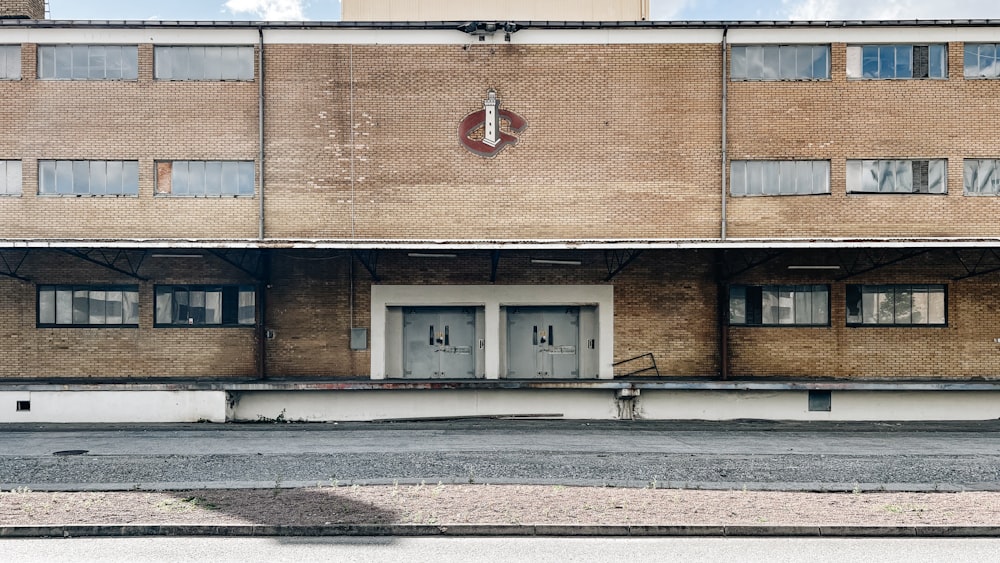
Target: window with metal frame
10,177
897,176
897,305
205,305
779,305
212,178
88,62
203,62
903,61
981,60
10,62
104,306
780,62
111,178
981,176
779,177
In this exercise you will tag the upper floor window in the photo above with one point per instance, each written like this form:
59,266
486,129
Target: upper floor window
897,61
203,63
982,176
205,305
897,176
205,178
779,177
88,62
981,60
10,177
896,305
780,62
10,62
777,305
88,177
88,306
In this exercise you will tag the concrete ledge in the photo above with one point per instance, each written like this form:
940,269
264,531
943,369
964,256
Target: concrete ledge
489,530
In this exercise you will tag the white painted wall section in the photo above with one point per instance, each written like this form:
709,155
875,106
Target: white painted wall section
113,406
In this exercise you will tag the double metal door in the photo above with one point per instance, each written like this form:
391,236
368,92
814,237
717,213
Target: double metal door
543,342
439,342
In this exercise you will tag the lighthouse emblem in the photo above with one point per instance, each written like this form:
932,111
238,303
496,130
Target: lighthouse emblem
480,132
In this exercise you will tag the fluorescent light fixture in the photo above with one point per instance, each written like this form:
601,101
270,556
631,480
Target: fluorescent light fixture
553,261
177,256
819,267
431,255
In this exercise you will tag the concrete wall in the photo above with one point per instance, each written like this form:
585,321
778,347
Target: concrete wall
496,10
112,406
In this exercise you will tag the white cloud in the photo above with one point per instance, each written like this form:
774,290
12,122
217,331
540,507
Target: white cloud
667,9
889,9
274,10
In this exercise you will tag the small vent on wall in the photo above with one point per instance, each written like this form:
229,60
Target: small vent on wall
23,406
820,401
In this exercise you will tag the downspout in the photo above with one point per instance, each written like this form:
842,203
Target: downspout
260,129
265,259
725,140
723,293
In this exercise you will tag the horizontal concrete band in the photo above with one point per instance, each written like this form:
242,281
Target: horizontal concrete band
506,384
482,530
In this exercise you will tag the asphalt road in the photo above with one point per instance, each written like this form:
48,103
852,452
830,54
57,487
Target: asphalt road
483,550
756,455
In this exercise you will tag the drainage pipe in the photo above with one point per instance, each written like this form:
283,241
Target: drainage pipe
725,140
260,129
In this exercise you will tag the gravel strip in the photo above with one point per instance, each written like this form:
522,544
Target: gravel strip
439,504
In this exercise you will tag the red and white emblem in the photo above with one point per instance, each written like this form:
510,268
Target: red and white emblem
489,118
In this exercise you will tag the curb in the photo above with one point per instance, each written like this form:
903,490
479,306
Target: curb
489,530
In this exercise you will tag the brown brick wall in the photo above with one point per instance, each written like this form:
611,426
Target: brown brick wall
142,120
843,119
31,9
144,352
963,349
622,141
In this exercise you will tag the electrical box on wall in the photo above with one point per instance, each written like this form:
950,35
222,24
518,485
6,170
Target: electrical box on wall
359,339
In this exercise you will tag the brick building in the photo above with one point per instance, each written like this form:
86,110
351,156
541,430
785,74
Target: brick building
375,220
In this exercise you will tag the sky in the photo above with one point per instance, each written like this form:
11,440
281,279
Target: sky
692,10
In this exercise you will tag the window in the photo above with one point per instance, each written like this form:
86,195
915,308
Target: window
897,61
897,176
981,60
88,177
88,306
203,63
205,305
780,62
778,305
10,62
88,62
205,178
10,177
982,176
779,177
896,305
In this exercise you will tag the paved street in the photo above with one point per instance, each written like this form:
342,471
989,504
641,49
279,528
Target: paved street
791,456
483,550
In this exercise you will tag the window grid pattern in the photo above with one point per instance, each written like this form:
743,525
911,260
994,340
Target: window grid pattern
88,177
897,305
88,306
886,62
10,62
779,305
203,63
897,176
780,62
981,176
981,60
779,177
88,62
10,177
205,305
196,178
